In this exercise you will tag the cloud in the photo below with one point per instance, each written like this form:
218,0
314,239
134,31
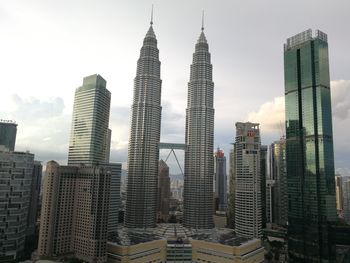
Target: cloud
270,115
341,98
43,127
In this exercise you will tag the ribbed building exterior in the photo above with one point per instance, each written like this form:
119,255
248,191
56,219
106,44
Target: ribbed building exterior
143,155
309,148
89,132
74,212
199,159
247,180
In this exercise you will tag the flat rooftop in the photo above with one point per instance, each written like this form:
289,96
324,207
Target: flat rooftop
175,233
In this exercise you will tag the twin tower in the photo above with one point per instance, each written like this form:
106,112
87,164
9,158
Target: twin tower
144,141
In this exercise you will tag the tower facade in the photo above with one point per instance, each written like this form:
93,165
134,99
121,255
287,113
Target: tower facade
309,148
89,132
164,193
143,155
8,132
247,180
220,180
278,174
199,159
74,212
15,202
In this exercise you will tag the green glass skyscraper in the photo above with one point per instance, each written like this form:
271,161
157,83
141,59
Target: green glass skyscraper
309,148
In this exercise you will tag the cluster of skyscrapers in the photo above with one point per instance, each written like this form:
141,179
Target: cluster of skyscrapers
291,184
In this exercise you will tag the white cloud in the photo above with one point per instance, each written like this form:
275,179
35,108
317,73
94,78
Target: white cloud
271,117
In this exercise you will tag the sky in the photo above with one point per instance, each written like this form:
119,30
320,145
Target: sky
47,47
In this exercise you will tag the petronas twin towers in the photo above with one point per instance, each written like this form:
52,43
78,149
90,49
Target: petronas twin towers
143,156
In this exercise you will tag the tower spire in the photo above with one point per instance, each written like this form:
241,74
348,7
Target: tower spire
202,20
152,16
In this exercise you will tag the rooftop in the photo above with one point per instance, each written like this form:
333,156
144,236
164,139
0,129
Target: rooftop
176,233
304,37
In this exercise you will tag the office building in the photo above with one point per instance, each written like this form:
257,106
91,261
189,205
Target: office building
309,148
263,177
248,181
115,199
143,154
339,194
346,198
16,170
164,193
74,213
34,197
8,132
278,174
89,132
220,181
199,159
232,191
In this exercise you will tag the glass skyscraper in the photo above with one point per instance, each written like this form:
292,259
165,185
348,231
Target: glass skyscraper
309,148
89,132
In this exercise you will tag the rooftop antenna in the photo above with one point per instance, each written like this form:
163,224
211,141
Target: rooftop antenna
152,16
202,20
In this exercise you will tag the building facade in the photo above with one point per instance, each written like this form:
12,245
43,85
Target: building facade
247,213
220,180
115,201
346,198
164,193
309,148
16,169
89,131
35,189
8,132
199,159
279,176
339,194
74,213
263,178
143,154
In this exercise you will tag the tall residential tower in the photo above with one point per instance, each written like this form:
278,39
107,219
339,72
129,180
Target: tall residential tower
141,201
247,180
309,148
199,159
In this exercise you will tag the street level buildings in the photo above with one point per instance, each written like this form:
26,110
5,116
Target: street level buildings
199,139
74,213
309,148
143,154
8,132
220,181
247,212
16,171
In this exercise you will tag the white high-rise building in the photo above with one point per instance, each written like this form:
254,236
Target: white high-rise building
247,180
141,200
199,159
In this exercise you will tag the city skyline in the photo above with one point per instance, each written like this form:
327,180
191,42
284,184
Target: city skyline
24,102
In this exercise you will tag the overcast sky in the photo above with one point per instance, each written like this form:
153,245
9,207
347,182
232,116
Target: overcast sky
47,47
